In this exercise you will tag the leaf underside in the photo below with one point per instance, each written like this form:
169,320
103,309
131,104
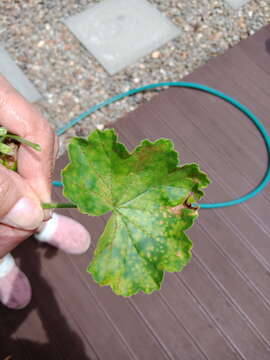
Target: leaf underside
149,197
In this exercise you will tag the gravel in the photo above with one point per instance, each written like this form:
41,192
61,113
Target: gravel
71,80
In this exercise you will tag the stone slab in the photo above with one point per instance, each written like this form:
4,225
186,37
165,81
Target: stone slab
16,77
119,32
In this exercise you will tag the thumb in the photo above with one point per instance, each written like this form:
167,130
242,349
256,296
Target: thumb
19,206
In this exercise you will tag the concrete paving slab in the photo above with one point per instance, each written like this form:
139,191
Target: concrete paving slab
119,32
16,76
236,4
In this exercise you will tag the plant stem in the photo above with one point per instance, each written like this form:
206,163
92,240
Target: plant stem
24,141
58,205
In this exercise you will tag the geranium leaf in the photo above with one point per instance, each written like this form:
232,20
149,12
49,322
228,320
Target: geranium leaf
150,198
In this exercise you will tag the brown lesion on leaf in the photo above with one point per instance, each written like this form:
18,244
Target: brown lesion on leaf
177,210
144,154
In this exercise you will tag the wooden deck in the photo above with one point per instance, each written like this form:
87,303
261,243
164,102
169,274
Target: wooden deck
219,306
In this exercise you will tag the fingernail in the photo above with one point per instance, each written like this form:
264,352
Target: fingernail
47,214
26,214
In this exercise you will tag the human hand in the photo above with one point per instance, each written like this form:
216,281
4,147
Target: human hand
22,192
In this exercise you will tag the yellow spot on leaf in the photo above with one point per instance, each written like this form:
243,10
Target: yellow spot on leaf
180,254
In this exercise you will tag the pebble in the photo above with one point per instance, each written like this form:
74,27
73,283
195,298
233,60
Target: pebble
40,43
155,55
70,78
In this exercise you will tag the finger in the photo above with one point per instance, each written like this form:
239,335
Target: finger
10,238
23,119
20,207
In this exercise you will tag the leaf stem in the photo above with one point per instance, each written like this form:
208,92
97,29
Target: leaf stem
58,205
24,141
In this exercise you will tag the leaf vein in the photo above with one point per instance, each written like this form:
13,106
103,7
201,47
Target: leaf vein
139,227
141,256
97,174
86,189
110,158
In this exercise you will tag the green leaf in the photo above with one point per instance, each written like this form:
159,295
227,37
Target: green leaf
9,164
5,149
3,131
150,198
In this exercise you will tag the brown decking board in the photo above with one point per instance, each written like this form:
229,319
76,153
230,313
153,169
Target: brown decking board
218,307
